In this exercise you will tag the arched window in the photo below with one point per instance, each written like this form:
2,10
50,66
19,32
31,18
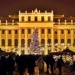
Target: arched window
74,40
42,42
3,42
16,42
74,43
9,42
62,40
55,41
49,42
69,41
22,42
29,40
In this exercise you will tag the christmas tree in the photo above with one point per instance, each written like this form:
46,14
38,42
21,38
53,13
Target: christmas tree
35,44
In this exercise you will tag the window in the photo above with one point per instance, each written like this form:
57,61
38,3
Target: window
62,40
29,40
16,42
42,31
29,18
9,42
22,18
9,32
3,31
68,40
55,40
16,31
49,31
22,31
74,43
29,31
49,42
35,18
68,31
48,18
3,42
42,42
42,18
74,31
74,40
22,42
62,31
55,32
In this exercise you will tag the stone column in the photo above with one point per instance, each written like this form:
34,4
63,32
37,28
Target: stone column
59,40
0,38
6,40
0,22
65,37
46,48
52,39
71,37
13,39
32,30
39,34
19,41
26,45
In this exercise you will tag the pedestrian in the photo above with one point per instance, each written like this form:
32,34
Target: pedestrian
47,63
51,63
60,64
40,64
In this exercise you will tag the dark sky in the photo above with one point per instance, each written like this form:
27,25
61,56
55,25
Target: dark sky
66,7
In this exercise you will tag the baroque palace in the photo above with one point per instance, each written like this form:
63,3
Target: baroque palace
53,36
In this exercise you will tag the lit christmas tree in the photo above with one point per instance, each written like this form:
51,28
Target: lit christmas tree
35,44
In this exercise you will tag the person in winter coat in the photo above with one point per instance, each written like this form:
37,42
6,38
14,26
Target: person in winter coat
40,64
60,64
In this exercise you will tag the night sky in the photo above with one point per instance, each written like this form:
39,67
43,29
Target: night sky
66,7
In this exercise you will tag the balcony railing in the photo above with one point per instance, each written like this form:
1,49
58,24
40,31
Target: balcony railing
63,23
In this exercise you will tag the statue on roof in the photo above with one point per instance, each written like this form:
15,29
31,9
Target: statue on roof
36,10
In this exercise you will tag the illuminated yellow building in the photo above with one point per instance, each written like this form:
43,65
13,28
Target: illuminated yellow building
53,36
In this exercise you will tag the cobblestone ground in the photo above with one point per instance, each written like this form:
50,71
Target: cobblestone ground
65,71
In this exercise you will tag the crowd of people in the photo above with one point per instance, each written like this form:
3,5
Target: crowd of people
22,63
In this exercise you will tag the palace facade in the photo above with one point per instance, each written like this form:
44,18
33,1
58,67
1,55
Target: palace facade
53,36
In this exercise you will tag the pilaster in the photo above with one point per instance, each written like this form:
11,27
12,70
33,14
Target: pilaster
59,41
0,38
6,40
71,37
13,39
39,34
19,41
26,45
65,37
46,49
52,39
